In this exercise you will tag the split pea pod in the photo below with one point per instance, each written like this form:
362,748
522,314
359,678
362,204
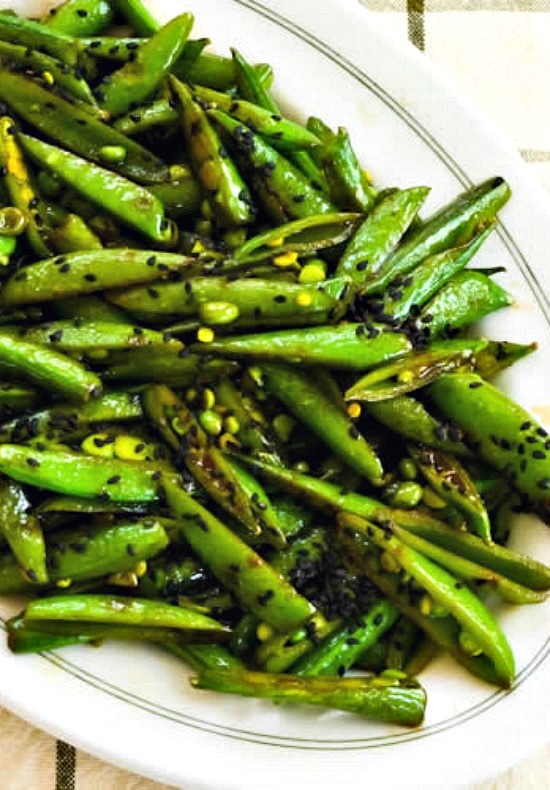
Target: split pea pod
340,651
182,431
228,195
410,418
81,273
379,233
48,369
451,226
452,482
464,613
48,68
506,435
131,204
90,552
466,298
348,346
121,610
302,396
382,699
88,336
21,189
225,301
430,275
79,17
138,78
76,130
284,191
80,475
259,588
23,532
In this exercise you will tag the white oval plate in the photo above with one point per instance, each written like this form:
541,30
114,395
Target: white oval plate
131,705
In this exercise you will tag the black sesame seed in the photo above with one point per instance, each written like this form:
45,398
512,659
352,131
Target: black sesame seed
341,670
91,278
539,454
131,550
473,385
280,299
153,293
64,268
525,426
33,462
112,480
81,12
544,483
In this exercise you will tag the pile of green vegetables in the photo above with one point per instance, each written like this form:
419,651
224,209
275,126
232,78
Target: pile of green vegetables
241,417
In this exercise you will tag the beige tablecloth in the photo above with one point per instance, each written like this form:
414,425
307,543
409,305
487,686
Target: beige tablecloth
498,51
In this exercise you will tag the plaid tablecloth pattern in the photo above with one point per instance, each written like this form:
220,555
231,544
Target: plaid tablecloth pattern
498,52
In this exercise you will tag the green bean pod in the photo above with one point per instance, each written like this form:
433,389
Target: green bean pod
347,346
138,78
466,298
452,482
341,650
23,532
47,368
383,699
259,588
284,192
132,204
75,129
506,436
228,195
451,226
303,398
410,418
379,233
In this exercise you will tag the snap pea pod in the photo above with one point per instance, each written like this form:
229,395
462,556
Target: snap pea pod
451,226
506,435
81,273
228,195
429,276
379,233
71,504
48,369
302,236
468,570
281,652
169,577
86,336
383,699
21,189
23,532
302,396
284,191
121,610
518,568
73,235
180,198
49,68
349,187
410,418
75,129
464,608
267,518
283,134
22,638
252,434
80,554
16,398
499,355
79,17
466,298
254,88
239,302
329,496
138,16
80,475
205,656
131,204
347,346
217,72
147,116
340,651
89,308
415,370
182,431
258,587
402,642
138,78
64,421
31,34
143,365
452,482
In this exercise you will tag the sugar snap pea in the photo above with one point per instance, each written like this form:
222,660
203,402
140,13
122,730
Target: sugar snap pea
79,17
143,365
77,336
31,34
138,16
23,532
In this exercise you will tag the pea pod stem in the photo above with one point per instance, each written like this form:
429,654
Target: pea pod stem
400,702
